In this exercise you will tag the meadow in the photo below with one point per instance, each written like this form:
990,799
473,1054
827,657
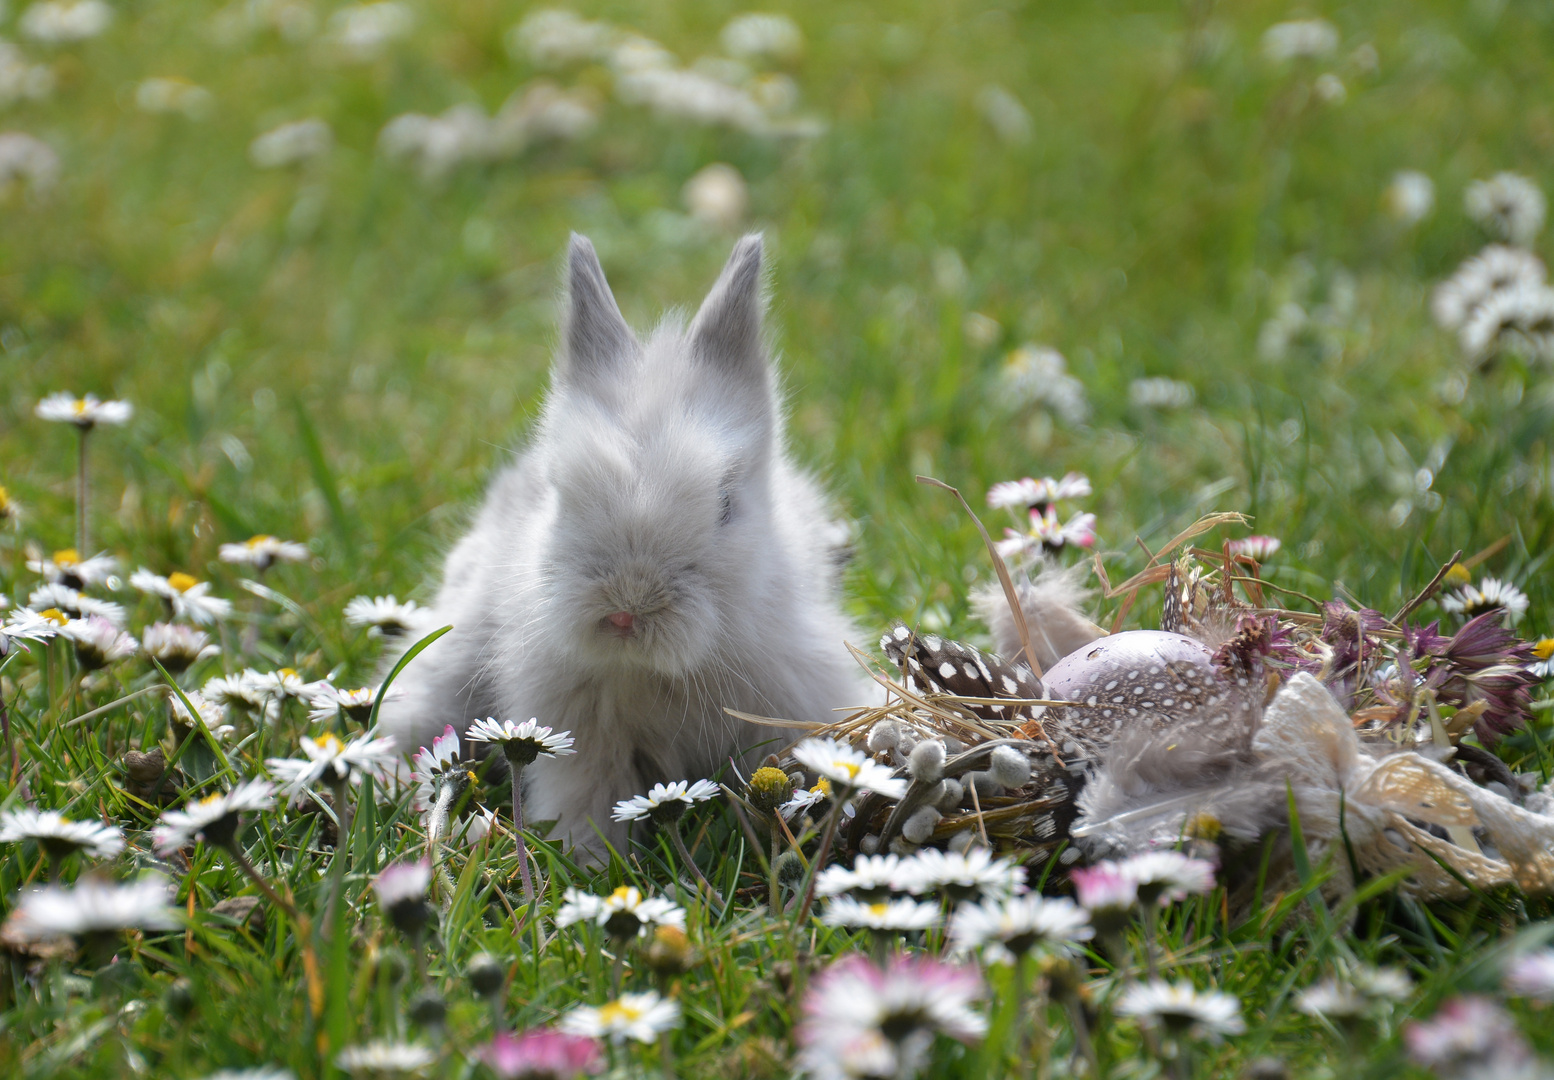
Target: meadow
1173,247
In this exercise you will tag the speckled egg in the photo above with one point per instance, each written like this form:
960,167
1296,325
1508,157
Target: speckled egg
1136,675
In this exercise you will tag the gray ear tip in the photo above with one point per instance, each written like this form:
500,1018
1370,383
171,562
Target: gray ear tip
580,252
751,246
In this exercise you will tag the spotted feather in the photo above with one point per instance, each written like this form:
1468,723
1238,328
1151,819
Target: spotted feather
934,664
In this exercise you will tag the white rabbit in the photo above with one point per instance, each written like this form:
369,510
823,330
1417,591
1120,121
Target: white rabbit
652,557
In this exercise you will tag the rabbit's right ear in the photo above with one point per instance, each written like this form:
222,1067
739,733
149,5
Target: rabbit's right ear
596,336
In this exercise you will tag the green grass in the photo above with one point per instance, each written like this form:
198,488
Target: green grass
343,353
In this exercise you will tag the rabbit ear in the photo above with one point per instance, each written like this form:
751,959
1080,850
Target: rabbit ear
597,336
726,332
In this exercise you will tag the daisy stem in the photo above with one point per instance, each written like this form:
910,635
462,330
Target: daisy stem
666,1054
1151,917
341,787
1082,1041
236,851
516,771
81,490
773,886
685,857
832,821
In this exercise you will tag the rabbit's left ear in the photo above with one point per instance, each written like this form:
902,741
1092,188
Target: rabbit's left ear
726,333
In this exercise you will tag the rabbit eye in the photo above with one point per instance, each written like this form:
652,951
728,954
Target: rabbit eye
726,508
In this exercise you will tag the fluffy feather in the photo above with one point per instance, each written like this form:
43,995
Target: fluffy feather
1152,781
1053,603
658,487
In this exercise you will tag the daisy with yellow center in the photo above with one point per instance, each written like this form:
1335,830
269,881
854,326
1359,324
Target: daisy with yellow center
1543,658
850,769
263,551
185,595
624,914
642,1017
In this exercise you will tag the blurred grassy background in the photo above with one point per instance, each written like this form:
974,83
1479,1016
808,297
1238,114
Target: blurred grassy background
343,351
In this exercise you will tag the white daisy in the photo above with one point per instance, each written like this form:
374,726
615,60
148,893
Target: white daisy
1509,205
98,642
1490,594
401,890
326,702
262,552
1038,375
212,715
258,1072
865,1020
171,94
74,603
92,906
1161,393
213,819
438,766
85,413
551,37
330,760
362,31
902,914
666,802
625,913
24,625
1332,999
1309,38
961,875
1542,666
1166,876
1519,319
1495,269
383,1059
804,798
1009,928
1108,894
185,595
1261,548
521,743
67,568
1047,533
385,615
1531,975
24,158
1026,493
176,646
756,36
1410,197
291,144
849,769
59,22
642,1017
872,877
244,692
1181,1009
1380,983
58,835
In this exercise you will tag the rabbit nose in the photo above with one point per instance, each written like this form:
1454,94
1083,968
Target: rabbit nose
623,621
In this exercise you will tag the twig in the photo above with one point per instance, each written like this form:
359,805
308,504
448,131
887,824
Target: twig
1429,590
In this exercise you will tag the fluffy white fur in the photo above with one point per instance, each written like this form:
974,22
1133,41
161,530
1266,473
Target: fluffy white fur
657,484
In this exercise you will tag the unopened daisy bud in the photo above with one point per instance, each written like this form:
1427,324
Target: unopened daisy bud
789,867
178,999
1009,767
394,965
486,975
401,889
919,827
429,1009
926,762
951,792
669,952
768,789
